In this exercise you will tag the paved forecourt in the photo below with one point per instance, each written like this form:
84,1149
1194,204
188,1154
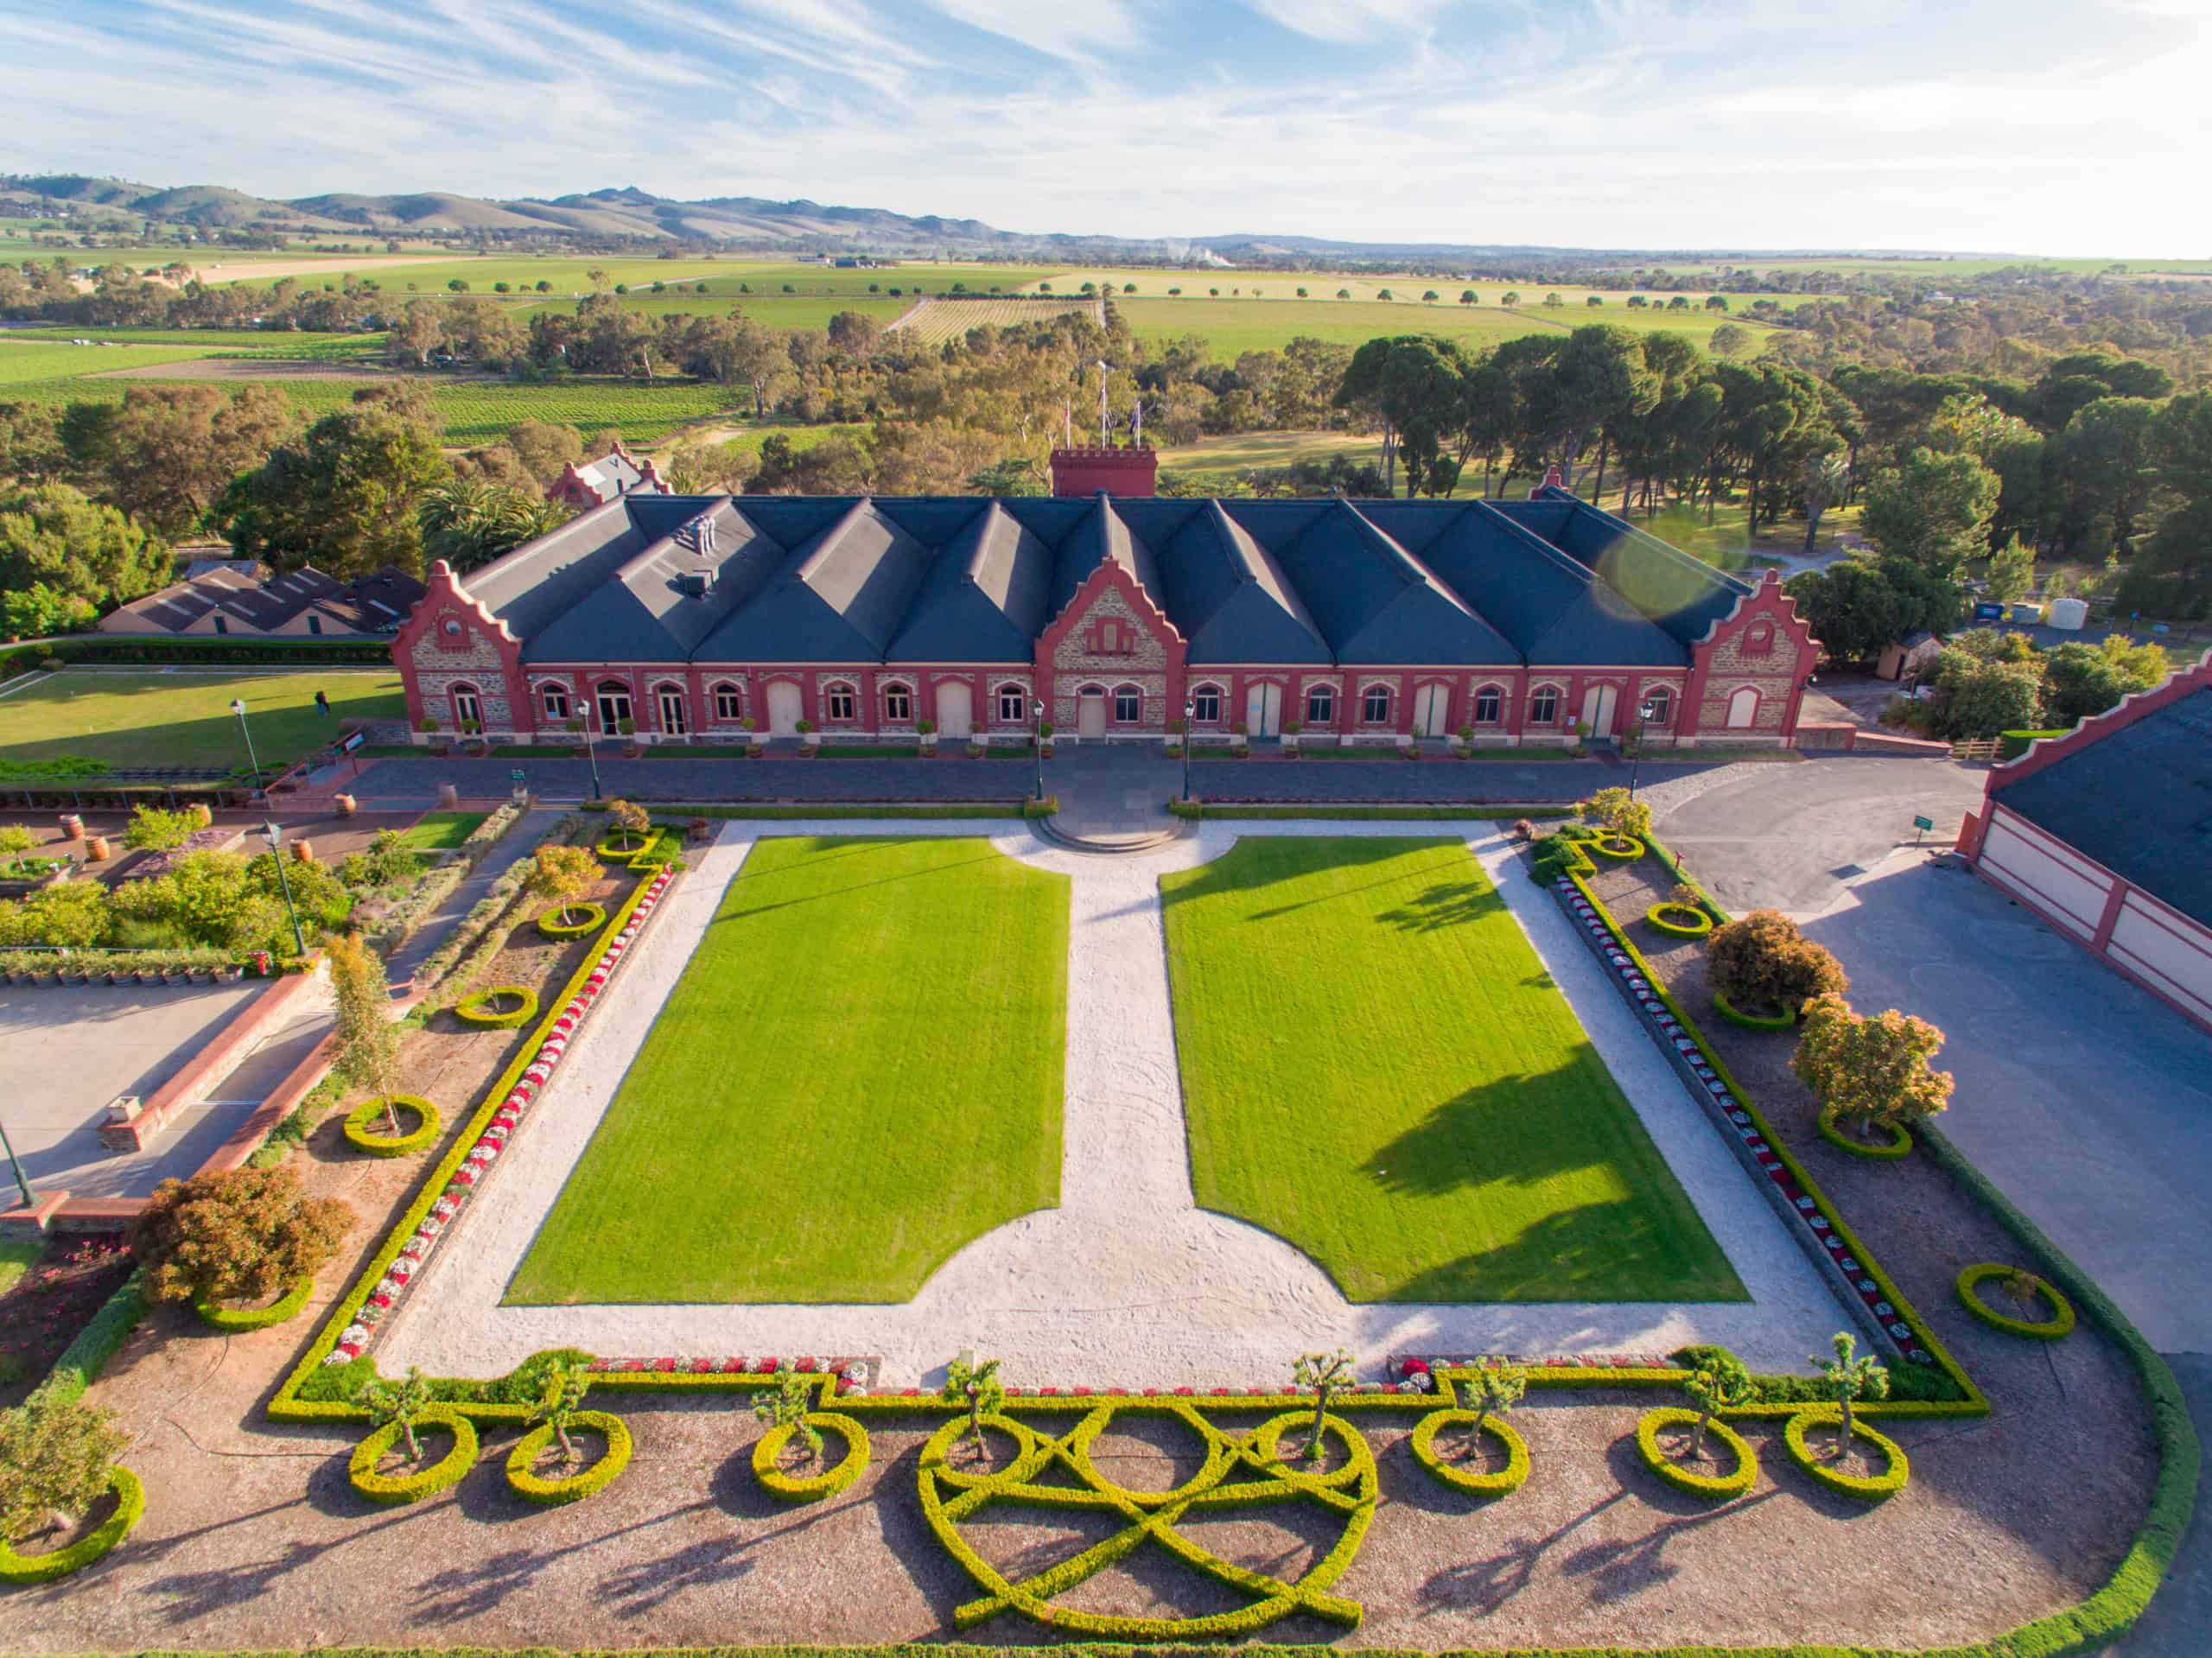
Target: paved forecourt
1127,1283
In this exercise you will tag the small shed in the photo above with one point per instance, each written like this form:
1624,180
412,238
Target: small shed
1910,657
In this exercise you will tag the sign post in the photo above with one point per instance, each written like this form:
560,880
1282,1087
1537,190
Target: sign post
1920,824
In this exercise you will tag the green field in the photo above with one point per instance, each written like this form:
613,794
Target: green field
183,718
1377,1069
31,361
1232,326
859,1071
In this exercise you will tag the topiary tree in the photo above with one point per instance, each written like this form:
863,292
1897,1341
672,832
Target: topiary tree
54,1458
1847,1380
1621,817
977,1385
566,1384
789,1406
561,875
1494,1388
1328,1375
1762,958
152,829
15,839
630,818
1874,1072
237,1235
405,1401
365,1041
1719,1381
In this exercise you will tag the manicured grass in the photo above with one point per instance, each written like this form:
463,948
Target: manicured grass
1377,1069
859,1072
183,719
18,1256
441,831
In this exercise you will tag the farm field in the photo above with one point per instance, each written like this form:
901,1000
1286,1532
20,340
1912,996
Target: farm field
1232,326
183,718
940,320
1282,287
859,1071
1377,1069
33,360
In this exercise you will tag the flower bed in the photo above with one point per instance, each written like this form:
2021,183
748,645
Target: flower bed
1716,1487
1898,1145
1679,920
1504,1482
768,1450
531,1487
1868,1488
218,1317
412,1487
588,918
363,1132
481,1009
1781,1021
2060,1324
130,1510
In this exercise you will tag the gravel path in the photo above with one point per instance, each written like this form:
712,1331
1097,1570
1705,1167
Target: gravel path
1126,1283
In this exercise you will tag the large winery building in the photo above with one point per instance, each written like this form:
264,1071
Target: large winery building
1108,610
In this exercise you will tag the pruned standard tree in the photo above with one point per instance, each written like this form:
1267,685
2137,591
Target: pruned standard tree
1621,817
1847,1379
1493,1389
241,1234
561,875
1717,1383
55,1458
405,1401
365,1041
1328,1375
1872,1072
629,818
974,1384
789,1406
566,1386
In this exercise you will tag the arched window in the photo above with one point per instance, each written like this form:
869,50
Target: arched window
670,702
899,704
1321,705
1489,706
1013,705
613,699
839,704
1206,705
1543,705
1128,705
553,701
1659,701
1374,706
467,707
729,700
1759,640
1742,709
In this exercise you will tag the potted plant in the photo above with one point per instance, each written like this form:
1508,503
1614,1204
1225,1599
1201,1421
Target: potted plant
1175,737
632,748
1581,738
926,730
428,724
809,745
1290,730
574,727
1240,737
1463,739
1044,737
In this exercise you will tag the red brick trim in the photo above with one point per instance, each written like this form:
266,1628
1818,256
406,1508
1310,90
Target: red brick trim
2048,751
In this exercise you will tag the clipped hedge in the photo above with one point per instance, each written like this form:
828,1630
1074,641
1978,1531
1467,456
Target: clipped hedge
1627,849
768,1450
1503,1483
1869,1488
1679,920
1735,1015
361,1466
1899,1144
590,918
363,1135
2010,744
2059,1324
130,1510
1714,1487
216,1317
612,850
100,1339
477,1008
521,1461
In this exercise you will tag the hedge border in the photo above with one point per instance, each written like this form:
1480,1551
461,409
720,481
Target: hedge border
100,1340
239,1319
531,1487
1713,1488
1698,929
768,1450
1629,851
1506,1480
1735,1015
363,1139
473,1009
130,1510
594,915
1868,1488
1900,1146
2059,1325
392,1489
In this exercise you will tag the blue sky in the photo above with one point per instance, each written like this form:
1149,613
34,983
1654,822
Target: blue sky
2024,125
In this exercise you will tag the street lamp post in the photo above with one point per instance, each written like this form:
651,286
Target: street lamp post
23,1181
591,753
1643,712
237,706
270,833
1190,714
1039,712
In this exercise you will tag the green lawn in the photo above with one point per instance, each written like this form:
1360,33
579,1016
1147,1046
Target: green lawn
859,1071
441,831
1377,1069
183,719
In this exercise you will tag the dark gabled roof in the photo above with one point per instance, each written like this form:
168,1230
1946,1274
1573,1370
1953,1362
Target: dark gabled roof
984,599
1683,594
2137,799
656,609
839,598
1099,534
542,581
1374,601
1230,599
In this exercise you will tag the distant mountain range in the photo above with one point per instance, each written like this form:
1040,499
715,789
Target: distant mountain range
745,224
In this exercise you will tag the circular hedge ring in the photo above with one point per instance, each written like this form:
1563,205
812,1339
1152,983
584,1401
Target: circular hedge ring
1679,920
592,917
130,1510
1626,847
482,1009
2060,1323
1871,1488
1716,1487
768,1450
532,1487
1899,1144
364,1133
218,1317
1504,1482
361,1467
608,849
1781,1021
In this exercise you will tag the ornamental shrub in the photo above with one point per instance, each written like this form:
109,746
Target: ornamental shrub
54,1458
788,1407
152,829
1873,1071
1719,1383
977,1387
364,1040
630,822
561,875
1845,1380
1328,1375
1621,817
237,1235
1762,958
